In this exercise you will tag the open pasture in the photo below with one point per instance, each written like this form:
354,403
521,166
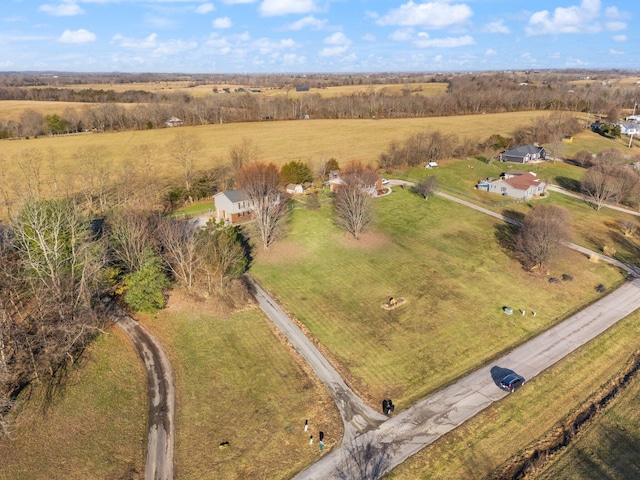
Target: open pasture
237,382
426,89
12,109
446,261
281,142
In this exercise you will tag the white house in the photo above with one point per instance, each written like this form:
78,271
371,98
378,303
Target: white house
233,205
515,184
629,129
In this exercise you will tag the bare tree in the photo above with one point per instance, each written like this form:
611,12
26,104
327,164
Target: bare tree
130,238
242,154
605,183
363,460
94,175
30,166
427,186
185,149
181,250
544,229
268,203
6,196
60,265
352,199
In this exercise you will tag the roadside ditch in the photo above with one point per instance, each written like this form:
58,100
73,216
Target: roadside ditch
539,453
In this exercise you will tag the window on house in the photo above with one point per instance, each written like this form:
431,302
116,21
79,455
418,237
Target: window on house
503,189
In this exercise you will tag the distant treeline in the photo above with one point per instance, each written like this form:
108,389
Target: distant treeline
465,95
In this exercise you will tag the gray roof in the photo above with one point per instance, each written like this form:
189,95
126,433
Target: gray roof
523,150
235,195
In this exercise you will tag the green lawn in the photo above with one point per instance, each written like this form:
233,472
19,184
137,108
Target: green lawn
592,229
237,382
445,260
490,439
93,428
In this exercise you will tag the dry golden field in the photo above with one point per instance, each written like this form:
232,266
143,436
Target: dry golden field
280,142
12,109
187,86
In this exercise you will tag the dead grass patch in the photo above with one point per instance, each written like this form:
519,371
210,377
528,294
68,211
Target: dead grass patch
370,240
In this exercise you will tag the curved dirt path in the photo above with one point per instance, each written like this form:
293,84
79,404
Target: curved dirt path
357,416
161,435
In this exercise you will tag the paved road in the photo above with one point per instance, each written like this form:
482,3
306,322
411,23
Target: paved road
557,189
159,463
357,416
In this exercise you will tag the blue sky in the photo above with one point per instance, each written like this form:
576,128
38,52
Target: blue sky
273,36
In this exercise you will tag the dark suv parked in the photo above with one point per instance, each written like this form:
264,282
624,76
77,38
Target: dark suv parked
511,382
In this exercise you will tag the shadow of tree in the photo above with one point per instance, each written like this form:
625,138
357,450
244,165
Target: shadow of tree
506,233
568,184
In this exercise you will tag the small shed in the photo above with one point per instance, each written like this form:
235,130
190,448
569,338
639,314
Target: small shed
174,122
295,189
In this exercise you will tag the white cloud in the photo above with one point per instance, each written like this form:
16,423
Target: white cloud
205,8
237,2
124,42
491,52
437,58
496,27
153,46
62,10
271,8
402,35
620,38
367,37
173,47
308,21
615,26
337,38
615,52
424,41
581,18
79,36
333,51
435,14
340,44
222,22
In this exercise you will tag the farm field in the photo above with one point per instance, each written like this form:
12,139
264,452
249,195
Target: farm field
12,109
237,382
476,449
314,141
92,428
453,274
196,89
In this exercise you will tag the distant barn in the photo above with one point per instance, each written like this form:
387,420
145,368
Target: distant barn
302,89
